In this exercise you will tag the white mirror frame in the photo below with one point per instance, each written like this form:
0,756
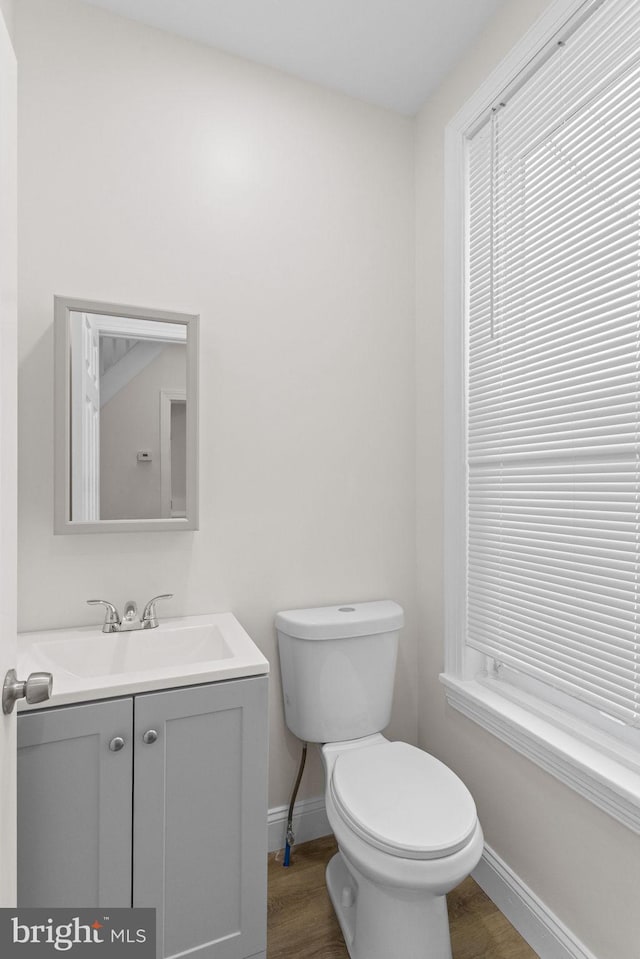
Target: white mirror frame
63,523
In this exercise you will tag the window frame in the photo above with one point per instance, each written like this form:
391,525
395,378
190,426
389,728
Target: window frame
597,765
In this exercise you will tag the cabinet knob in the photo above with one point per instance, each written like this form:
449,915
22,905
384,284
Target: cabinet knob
116,744
150,736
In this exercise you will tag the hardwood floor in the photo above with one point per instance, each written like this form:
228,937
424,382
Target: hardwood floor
302,924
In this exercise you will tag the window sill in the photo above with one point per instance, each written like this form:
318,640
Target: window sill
595,765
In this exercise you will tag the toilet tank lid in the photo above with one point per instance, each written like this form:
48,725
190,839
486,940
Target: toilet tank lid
341,622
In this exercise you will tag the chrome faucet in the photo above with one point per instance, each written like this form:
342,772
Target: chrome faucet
114,624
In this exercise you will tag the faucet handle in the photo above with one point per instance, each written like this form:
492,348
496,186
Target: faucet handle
111,615
149,615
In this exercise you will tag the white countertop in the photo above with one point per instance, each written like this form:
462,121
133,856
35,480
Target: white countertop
88,664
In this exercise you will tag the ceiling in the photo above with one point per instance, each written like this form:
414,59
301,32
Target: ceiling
393,53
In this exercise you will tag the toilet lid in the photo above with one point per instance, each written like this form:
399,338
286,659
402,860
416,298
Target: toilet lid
402,800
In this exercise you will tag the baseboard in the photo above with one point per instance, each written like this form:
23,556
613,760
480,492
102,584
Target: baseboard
309,822
535,922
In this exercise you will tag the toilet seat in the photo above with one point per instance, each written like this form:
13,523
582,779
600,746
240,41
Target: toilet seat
403,801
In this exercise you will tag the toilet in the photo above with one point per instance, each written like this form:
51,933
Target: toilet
406,826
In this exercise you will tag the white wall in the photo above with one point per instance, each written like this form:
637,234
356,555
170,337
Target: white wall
579,861
157,172
6,9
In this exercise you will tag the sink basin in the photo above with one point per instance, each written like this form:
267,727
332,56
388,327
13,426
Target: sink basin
117,653
89,664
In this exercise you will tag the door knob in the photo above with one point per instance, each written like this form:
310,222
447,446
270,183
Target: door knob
149,737
116,744
36,689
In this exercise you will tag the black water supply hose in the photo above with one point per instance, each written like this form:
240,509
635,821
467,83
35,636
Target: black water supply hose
290,836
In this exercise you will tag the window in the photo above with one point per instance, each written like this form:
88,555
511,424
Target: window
543,529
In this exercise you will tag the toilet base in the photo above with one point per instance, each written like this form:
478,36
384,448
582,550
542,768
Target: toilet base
380,922
342,893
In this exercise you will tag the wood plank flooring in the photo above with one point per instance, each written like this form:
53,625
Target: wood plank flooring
302,924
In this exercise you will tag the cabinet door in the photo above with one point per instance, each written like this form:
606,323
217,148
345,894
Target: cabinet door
74,806
200,813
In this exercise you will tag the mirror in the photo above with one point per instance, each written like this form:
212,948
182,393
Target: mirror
126,418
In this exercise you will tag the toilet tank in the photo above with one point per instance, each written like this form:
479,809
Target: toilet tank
338,668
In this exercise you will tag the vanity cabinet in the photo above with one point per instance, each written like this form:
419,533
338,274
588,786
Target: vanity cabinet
157,799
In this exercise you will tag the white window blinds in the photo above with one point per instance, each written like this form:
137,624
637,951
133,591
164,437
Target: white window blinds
553,352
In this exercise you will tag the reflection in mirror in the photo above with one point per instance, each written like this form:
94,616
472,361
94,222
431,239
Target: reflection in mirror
123,386
129,415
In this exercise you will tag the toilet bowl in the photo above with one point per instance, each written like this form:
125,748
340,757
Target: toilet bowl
407,833
406,825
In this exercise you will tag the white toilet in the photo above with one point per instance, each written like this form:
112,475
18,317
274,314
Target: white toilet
406,826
